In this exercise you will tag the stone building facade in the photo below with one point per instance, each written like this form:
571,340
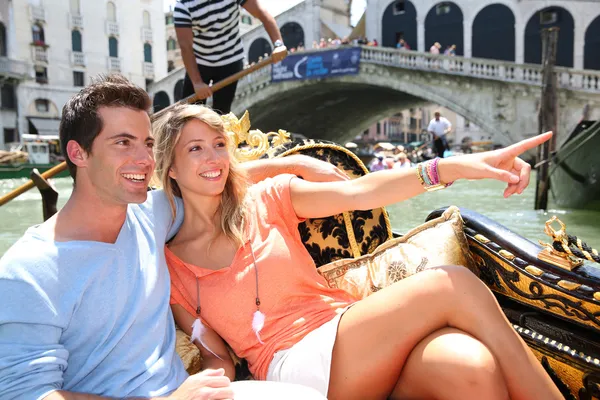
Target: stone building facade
504,29
67,42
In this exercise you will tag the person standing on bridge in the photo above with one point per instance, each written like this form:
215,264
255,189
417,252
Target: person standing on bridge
439,127
211,47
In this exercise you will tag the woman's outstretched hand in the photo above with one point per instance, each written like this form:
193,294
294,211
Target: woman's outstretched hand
502,164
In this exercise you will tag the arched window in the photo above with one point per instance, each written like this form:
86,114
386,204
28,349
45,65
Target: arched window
75,7
147,52
591,56
146,19
76,40
3,50
160,101
258,48
494,33
111,11
113,47
38,34
171,44
546,18
292,35
178,91
444,24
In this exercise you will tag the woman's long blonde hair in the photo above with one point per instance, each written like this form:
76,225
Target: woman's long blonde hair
167,131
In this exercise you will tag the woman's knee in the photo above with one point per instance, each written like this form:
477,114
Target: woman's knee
477,373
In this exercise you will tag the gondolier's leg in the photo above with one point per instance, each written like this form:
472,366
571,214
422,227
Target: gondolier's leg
439,147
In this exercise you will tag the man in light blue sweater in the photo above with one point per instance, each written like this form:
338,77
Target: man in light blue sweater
85,295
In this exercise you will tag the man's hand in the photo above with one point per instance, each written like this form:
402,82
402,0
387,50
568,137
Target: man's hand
208,384
279,53
311,169
202,90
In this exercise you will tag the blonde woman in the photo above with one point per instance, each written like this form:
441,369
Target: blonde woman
240,275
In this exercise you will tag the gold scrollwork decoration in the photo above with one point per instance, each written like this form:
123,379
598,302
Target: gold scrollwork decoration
251,144
550,255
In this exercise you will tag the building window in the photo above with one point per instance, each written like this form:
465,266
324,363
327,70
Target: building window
171,44
548,17
246,20
147,52
7,97
41,74
10,135
170,66
37,33
42,105
76,41
113,47
78,78
75,10
379,128
146,19
2,40
442,9
169,19
111,12
399,7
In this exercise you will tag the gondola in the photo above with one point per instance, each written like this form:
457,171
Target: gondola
549,294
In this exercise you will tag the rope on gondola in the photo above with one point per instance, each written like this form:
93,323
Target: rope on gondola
575,247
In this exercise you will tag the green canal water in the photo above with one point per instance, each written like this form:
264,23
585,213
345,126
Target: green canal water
484,197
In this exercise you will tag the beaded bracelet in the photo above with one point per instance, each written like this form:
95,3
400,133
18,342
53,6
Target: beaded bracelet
428,175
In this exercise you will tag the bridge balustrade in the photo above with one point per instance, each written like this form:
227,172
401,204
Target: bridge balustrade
530,74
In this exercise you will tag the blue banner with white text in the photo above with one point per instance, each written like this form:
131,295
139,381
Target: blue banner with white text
322,64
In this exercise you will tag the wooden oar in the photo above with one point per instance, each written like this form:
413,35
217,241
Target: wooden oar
190,99
218,86
57,169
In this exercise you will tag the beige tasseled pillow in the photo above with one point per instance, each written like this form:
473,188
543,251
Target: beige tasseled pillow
438,242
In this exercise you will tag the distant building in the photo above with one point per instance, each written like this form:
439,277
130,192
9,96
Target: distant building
67,42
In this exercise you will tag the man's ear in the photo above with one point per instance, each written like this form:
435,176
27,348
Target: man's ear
76,154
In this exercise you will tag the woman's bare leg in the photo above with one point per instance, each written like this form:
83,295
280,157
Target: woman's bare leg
376,336
450,365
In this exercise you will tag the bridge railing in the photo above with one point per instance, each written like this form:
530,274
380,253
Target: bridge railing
531,74
568,78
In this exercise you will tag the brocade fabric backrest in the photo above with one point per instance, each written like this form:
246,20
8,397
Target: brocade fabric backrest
347,235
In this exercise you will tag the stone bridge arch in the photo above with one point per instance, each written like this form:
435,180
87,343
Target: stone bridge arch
340,108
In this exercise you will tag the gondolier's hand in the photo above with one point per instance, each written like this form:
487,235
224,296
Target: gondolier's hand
205,385
279,53
311,169
502,164
202,90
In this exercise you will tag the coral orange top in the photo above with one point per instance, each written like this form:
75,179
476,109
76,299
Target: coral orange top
294,297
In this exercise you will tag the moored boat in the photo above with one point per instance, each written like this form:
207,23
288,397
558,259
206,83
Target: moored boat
41,153
574,170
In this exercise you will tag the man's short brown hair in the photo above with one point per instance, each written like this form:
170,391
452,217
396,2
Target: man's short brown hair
80,119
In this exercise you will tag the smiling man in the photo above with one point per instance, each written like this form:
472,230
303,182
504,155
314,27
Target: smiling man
85,295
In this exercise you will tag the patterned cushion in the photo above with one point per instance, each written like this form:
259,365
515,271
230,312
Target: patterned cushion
440,241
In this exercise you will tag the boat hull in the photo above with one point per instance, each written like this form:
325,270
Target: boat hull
575,172
24,170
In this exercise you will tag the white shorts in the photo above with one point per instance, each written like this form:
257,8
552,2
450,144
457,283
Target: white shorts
254,390
308,362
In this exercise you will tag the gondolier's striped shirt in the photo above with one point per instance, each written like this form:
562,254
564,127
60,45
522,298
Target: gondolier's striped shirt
215,24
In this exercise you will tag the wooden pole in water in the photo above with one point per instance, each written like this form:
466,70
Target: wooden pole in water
547,117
